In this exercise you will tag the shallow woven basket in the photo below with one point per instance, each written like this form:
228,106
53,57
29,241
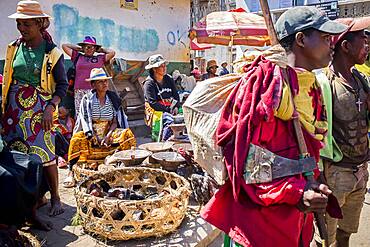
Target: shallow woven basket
158,216
80,173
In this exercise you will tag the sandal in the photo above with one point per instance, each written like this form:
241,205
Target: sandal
69,182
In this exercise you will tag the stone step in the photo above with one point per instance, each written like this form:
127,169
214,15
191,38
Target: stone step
135,112
139,128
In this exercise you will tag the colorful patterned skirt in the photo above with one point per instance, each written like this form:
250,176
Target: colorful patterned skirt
22,122
159,122
83,149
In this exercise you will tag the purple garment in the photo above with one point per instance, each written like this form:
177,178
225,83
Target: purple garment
84,66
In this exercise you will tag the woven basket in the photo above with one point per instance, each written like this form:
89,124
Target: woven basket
12,237
136,219
29,239
81,173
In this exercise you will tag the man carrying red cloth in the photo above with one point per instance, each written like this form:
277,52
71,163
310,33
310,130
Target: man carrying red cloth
267,200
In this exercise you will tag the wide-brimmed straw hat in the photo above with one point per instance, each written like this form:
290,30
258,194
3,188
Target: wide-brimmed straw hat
354,24
89,40
29,9
155,61
98,74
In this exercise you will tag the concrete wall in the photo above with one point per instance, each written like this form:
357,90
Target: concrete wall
157,27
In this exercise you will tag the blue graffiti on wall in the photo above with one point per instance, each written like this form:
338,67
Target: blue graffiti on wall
176,37
71,27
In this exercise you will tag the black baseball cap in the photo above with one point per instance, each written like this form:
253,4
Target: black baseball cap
303,17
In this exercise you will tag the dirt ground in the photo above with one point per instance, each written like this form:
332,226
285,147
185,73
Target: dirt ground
196,230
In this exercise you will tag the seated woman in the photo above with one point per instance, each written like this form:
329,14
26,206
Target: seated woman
161,98
22,185
101,126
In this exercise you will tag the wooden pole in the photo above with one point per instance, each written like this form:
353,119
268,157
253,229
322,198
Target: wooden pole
270,25
319,218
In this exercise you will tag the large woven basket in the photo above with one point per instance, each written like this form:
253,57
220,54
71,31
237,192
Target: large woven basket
29,239
81,173
8,237
137,218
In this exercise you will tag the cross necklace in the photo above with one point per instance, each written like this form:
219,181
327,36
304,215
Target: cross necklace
357,94
359,103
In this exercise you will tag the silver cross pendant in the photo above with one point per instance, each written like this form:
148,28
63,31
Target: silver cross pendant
359,103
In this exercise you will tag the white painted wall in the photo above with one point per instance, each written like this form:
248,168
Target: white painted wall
159,26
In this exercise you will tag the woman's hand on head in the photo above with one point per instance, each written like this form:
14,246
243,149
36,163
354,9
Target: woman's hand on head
47,118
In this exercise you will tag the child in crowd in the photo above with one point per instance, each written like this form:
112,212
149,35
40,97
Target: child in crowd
64,125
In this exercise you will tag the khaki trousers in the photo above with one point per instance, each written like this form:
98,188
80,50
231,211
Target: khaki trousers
349,187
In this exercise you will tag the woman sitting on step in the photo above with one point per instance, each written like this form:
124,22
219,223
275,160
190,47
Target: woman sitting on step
162,101
101,127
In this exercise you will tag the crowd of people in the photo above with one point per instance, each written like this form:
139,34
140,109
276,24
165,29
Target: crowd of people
38,130
326,90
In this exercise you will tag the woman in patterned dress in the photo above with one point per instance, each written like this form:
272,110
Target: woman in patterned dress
34,83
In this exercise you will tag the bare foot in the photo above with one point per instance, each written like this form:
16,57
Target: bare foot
39,224
41,202
56,207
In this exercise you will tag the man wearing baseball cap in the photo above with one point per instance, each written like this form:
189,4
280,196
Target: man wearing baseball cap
255,207
346,154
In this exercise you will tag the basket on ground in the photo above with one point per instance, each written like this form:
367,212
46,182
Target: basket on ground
117,219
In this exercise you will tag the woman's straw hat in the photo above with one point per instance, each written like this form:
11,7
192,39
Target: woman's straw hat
98,74
211,63
89,40
28,9
155,61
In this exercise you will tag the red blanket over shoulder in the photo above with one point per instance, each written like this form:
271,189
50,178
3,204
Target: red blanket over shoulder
259,214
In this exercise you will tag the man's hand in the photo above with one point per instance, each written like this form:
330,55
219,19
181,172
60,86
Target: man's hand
47,118
315,198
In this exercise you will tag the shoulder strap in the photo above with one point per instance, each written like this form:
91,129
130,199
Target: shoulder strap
361,77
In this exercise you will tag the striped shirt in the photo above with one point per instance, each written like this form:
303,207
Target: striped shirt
105,112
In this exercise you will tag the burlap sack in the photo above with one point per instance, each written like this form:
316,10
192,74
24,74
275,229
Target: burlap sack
202,112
